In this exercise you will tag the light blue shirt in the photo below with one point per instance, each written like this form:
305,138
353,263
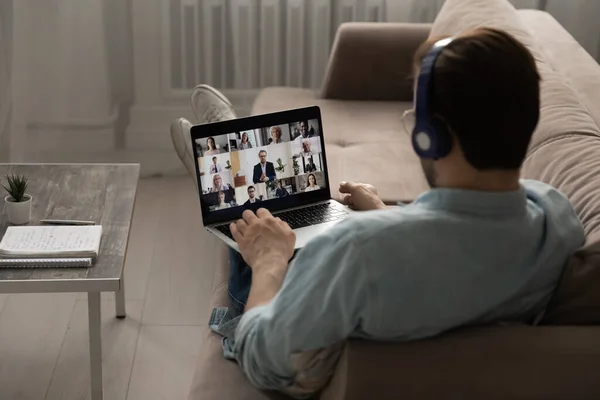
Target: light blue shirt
451,258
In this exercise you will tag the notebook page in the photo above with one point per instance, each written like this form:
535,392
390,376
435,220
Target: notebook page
51,240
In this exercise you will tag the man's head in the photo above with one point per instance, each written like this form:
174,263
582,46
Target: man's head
306,145
278,184
304,128
485,88
214,159
251,191
262,155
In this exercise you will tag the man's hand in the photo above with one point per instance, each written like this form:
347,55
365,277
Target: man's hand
360,196
265,242
263,177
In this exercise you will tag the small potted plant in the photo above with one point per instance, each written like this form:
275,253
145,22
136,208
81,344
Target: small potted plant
280,168
295,165
18,203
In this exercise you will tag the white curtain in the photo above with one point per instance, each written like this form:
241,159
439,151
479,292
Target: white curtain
6,103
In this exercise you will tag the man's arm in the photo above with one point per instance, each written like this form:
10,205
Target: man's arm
256,174
318,306
271,175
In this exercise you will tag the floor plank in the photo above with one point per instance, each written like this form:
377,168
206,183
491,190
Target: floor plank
3,298
164,362
71,380
142,237
183,262
32,328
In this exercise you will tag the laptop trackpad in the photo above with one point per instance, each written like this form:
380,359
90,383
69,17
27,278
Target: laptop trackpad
304,235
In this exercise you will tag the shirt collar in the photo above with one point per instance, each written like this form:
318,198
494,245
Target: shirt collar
475,202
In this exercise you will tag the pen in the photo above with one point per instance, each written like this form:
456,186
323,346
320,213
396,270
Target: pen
66,222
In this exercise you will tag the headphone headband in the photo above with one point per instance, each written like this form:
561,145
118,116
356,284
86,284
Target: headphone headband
430,138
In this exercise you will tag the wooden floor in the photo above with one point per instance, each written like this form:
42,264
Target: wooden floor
149,355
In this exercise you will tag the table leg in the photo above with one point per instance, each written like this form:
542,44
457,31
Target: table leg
120,298
95,344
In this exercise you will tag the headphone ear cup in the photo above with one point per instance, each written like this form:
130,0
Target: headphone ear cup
423,140
443,138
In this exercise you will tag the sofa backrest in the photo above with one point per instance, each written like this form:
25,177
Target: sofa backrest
564,152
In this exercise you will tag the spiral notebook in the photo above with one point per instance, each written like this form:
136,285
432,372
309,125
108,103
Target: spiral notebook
50,246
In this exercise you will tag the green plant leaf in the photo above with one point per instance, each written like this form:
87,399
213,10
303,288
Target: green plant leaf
17,185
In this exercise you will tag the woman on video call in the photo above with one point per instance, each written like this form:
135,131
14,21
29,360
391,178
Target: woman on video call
245,145
218,184
276,135
222,205
312,184
212,147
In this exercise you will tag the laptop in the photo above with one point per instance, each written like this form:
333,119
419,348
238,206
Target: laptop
275,161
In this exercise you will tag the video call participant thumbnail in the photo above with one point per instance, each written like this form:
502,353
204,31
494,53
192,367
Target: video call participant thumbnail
280,191
211,147
312,183
218,184
264,171
214,167
252,198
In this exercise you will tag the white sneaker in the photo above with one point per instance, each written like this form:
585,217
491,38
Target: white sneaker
182,141
210,105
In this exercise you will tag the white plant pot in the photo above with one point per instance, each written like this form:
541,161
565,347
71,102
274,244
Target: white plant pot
19,213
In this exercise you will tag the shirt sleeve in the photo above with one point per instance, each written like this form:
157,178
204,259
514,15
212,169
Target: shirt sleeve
318,307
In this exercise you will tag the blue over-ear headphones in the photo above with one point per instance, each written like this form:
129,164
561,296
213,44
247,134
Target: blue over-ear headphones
430,137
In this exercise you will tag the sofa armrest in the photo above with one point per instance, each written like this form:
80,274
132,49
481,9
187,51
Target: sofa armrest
496,362
373,61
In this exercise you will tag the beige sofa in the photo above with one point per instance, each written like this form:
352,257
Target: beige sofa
367,87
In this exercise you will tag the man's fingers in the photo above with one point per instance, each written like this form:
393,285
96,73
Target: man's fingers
263,213
347,200
237,235
248,216
241,226
347,187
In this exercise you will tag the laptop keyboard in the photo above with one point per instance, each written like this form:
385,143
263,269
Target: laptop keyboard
300,218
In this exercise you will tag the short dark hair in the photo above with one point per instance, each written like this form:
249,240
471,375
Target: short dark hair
262,151
486,87
214,158
250,187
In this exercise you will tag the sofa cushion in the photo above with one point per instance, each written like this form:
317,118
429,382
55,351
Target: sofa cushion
216,377
499,362
566,56
366,141
571,163
564,148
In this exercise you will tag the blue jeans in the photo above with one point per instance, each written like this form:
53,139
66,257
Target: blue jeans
240,279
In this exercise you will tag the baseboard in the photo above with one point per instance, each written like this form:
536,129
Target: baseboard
152,163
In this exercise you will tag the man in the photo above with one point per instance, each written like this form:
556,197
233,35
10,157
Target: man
251,198
280,191
214,167
306,151
263,171
304,132
480,246
310,166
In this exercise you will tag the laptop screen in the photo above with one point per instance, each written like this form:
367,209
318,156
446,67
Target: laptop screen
275,161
